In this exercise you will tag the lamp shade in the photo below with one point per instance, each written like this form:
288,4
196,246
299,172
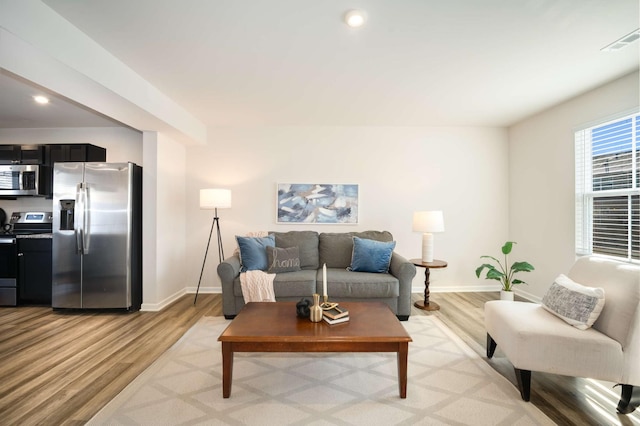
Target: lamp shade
428,221
215,198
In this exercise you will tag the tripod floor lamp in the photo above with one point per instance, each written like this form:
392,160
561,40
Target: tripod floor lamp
213,199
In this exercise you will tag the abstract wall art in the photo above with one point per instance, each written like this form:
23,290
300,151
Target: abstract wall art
320,203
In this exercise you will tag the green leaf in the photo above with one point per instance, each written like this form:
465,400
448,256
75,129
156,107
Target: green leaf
506,248
522,267
492,258
494,274
481,268
517,281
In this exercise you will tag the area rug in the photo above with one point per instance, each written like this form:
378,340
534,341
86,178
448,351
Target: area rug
448,384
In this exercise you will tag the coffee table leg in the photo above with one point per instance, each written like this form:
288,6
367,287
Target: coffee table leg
403,355
227,369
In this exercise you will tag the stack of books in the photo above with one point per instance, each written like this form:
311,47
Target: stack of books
335,315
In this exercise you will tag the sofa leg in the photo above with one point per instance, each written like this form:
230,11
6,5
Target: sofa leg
229,317
524,383
403,317
624,406
491,346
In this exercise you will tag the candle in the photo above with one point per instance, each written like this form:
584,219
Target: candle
324,280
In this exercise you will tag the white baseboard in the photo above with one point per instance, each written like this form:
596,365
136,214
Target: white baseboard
156,307
204,290
530,297
457,289
452,289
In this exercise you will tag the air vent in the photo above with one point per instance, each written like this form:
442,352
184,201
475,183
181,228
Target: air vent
622,42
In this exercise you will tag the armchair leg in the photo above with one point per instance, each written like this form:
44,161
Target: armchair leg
524,383
491,346
624,406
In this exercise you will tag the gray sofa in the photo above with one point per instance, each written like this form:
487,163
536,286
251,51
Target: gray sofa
334,250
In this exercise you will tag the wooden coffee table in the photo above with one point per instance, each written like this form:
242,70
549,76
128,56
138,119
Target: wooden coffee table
274,327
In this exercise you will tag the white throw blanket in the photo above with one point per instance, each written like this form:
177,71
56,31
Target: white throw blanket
257,286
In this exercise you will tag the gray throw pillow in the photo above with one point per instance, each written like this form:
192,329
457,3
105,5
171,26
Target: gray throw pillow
307,243
283,259
576,304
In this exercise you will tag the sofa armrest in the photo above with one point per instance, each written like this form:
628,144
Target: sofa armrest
404,271
228,270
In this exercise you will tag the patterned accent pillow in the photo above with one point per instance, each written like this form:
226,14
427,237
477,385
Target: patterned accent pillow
283,259
371,255
576,304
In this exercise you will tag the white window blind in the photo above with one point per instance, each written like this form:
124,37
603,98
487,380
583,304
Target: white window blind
608,188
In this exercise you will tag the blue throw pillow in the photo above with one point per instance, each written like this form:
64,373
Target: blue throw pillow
371,255
253,252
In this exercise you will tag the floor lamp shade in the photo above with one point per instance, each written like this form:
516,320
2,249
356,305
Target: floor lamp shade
428,222
215,198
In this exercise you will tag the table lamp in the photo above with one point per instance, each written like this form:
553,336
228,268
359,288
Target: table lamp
428,222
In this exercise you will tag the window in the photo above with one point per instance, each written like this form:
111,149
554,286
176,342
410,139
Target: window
608,188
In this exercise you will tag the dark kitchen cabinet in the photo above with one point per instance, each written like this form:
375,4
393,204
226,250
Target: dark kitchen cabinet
74,152
34,271
9,154
22,154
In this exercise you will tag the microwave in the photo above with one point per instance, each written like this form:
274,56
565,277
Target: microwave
23,180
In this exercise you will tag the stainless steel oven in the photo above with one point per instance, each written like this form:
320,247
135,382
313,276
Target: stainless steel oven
8,270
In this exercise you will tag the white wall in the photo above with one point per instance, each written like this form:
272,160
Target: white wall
462,171
164,221
122,145
541,195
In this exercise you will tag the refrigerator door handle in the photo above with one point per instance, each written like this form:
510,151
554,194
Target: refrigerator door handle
86,236
78,226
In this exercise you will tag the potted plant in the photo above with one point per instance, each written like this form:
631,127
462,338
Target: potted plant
502,274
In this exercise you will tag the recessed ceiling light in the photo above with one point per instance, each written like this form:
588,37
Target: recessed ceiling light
355,18
41,99
622,42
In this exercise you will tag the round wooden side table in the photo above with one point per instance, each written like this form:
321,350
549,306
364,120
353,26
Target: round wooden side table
426,304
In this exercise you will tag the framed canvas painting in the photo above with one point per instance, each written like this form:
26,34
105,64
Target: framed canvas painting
319,203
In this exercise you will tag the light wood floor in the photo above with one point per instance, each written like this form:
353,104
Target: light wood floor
59,368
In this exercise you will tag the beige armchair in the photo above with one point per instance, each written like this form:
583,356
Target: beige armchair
534,339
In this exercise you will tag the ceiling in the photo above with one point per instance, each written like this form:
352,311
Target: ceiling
414,63
19,110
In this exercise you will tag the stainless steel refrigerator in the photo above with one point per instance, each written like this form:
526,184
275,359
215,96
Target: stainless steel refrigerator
97,236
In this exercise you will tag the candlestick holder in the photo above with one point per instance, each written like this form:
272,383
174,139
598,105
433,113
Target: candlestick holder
325,305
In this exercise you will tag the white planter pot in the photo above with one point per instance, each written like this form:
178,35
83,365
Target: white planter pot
506,295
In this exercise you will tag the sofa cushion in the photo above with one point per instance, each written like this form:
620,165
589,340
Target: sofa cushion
335,249
291,284
307,243
343,284
253,252
283,259
371,255
574,303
